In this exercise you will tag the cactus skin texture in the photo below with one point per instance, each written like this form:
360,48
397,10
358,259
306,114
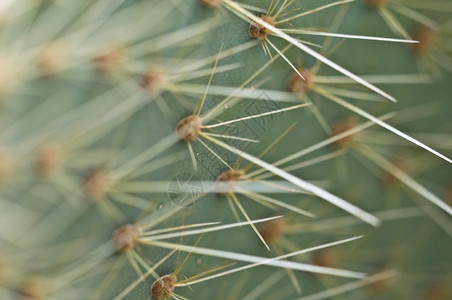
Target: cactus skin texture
107,116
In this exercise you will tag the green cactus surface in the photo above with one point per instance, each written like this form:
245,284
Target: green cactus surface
222,149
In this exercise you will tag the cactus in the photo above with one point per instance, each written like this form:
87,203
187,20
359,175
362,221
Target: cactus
220,149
